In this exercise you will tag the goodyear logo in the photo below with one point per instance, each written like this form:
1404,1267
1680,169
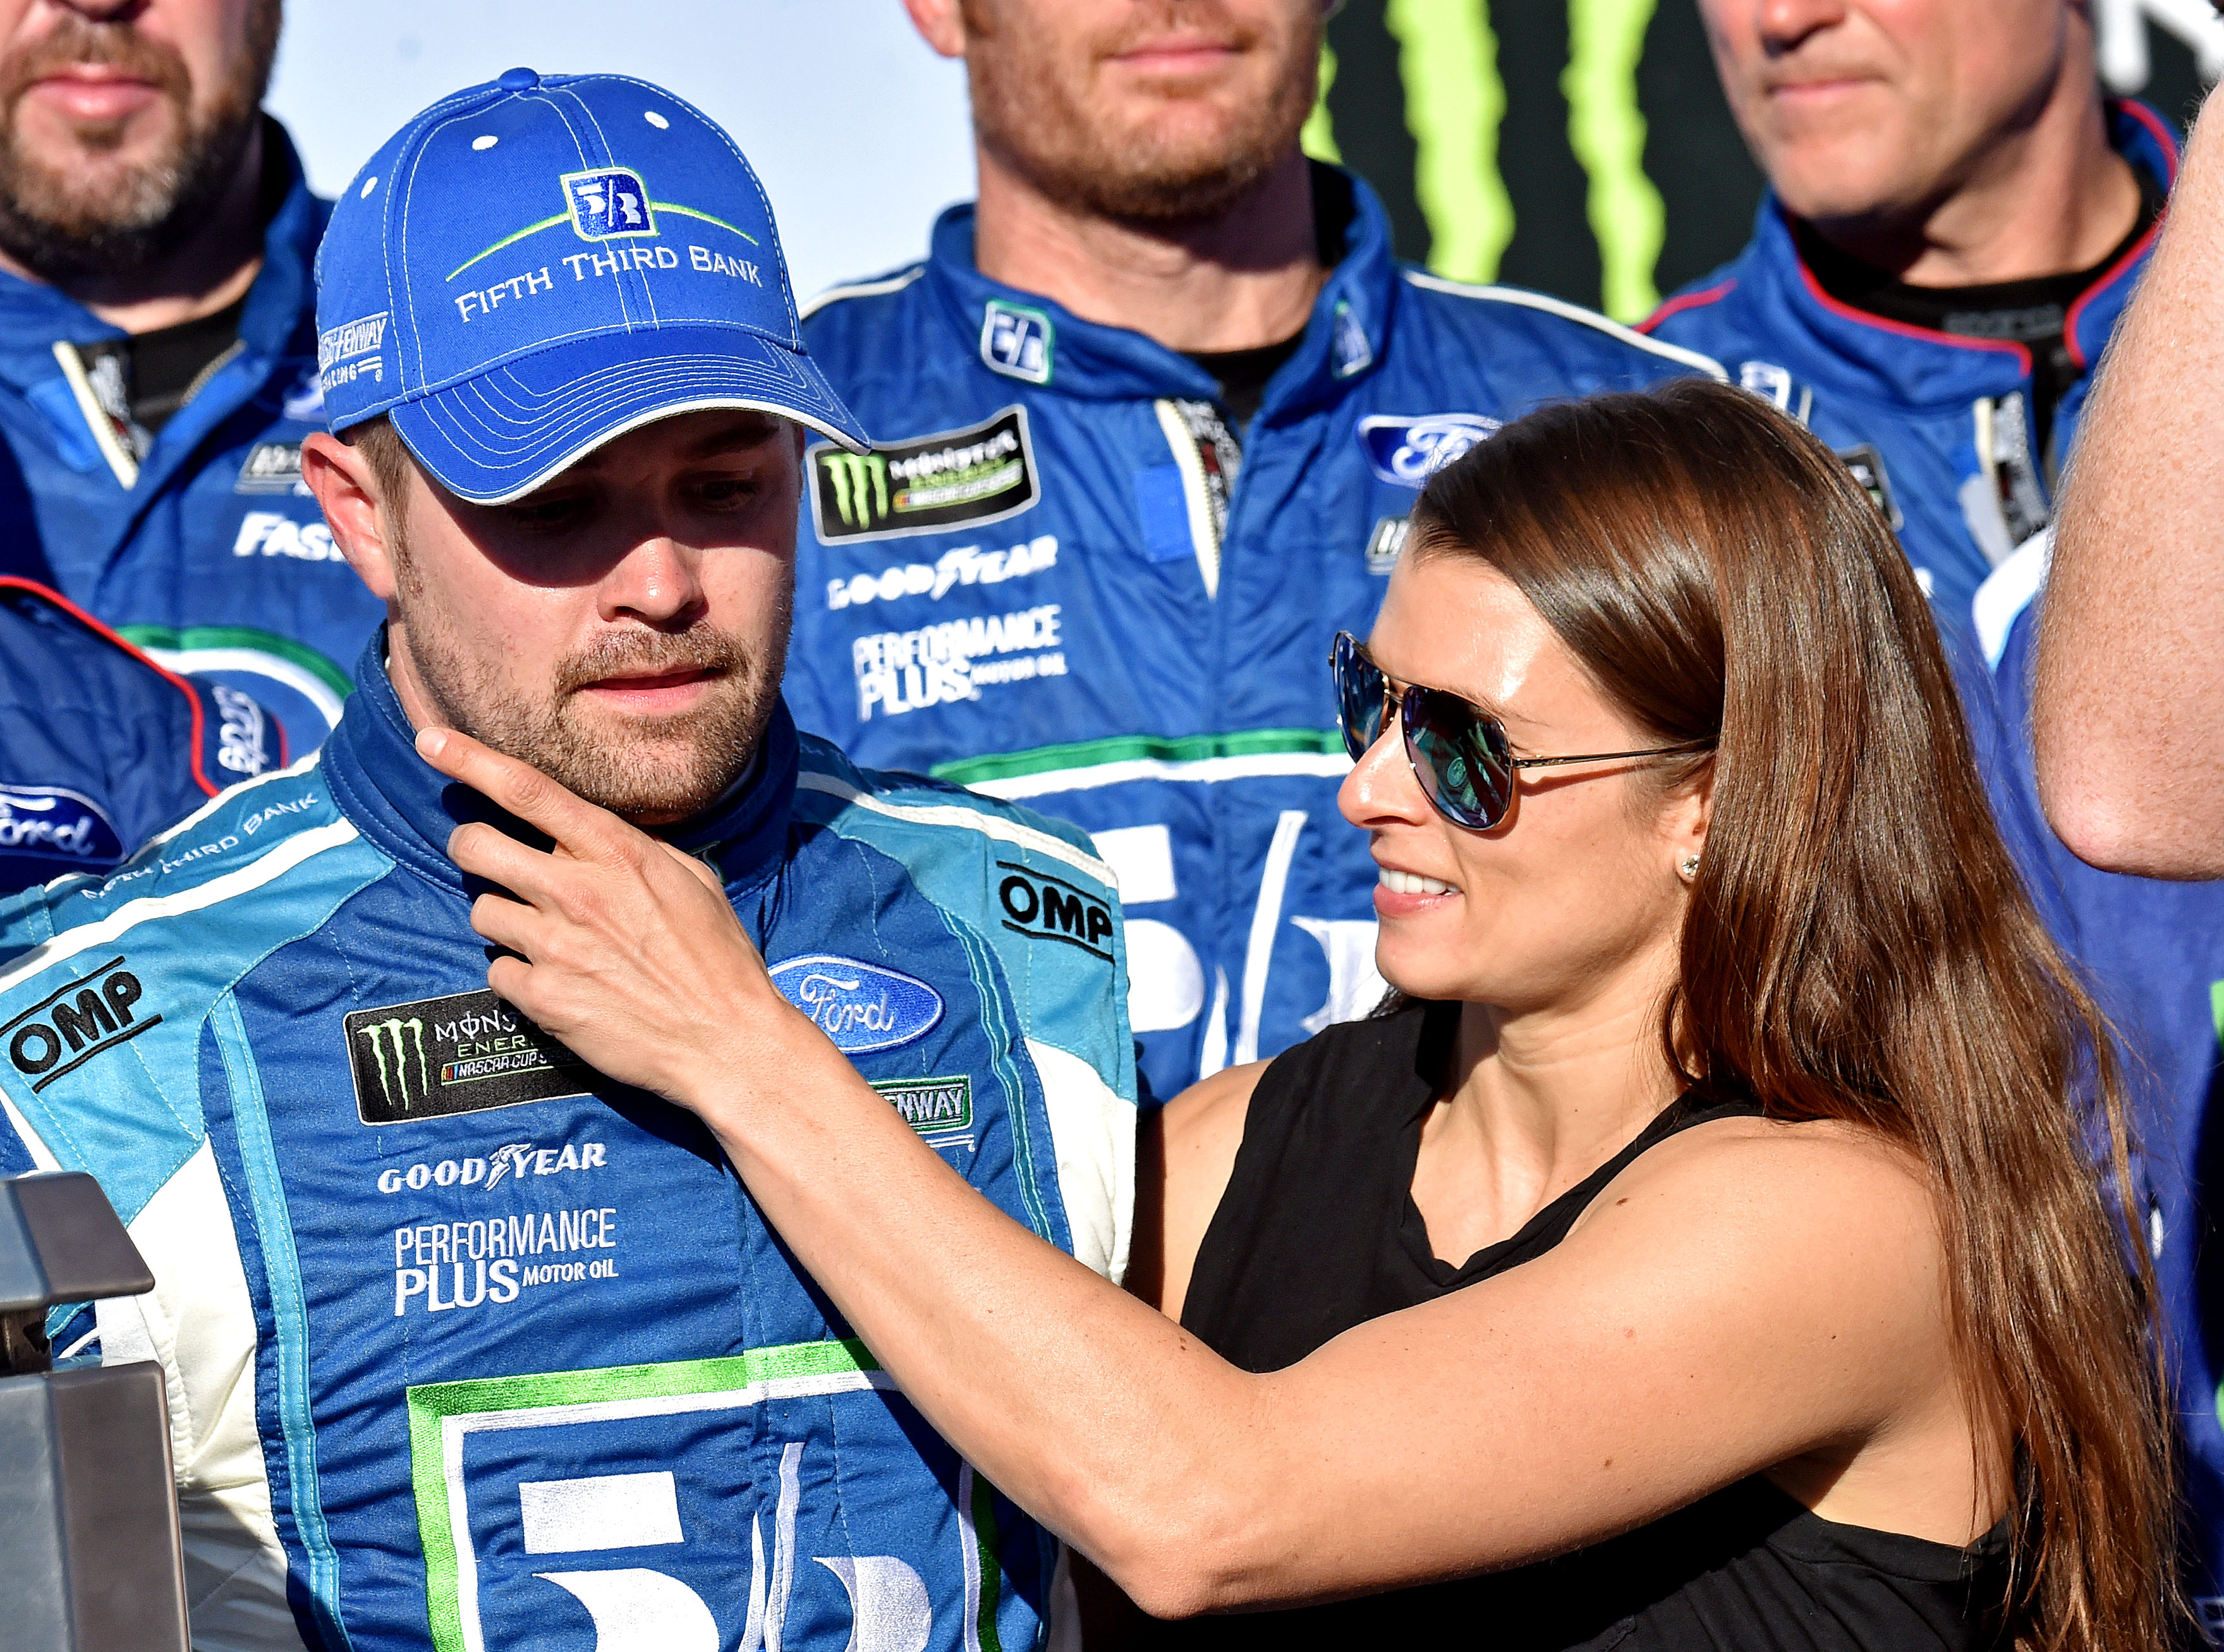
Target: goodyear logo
953,478
468,1052
68,1027
938,1108
608,203
1043,908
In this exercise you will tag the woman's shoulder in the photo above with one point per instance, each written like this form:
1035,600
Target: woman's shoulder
1818,1179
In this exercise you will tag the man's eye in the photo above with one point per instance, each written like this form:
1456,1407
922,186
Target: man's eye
548,515
727,492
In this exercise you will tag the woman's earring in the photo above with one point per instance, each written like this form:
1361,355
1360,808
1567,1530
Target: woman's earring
1690,868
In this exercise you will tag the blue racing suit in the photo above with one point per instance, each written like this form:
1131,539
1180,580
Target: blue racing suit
1935,425
206,550
1060,576
100,747
468,1346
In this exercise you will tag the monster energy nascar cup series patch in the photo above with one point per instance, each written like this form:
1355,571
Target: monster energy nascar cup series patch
957,477
469,1052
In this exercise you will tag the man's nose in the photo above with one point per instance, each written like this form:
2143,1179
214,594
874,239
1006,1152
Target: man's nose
657,581
1782,24
102,11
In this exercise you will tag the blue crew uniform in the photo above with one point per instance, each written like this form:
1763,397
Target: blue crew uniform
100,747
1942,428
1062,575
205,550
469,1347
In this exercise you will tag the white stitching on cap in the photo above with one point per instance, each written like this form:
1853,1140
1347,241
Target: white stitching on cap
794,324
647,292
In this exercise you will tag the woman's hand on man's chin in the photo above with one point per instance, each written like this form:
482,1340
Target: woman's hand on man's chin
618,945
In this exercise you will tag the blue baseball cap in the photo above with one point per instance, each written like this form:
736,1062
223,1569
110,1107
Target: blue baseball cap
534,266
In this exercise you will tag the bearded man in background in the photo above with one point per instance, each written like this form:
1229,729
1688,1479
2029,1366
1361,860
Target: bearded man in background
158,347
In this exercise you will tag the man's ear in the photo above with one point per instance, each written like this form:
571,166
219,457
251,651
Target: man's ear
341,478
939,25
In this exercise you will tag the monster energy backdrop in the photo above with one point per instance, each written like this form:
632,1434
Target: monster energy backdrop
1578,147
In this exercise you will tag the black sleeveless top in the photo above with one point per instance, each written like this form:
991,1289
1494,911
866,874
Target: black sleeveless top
1317,1233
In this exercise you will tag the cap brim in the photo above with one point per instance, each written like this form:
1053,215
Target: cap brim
496,437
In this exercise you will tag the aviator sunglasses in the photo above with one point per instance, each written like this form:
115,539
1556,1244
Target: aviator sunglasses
1459,753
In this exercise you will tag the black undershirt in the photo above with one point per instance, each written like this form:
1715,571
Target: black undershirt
2031,313
1242,375
1317,1233
162,369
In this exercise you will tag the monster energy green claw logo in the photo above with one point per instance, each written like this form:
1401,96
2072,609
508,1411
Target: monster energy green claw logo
954,477
861,487
385,1037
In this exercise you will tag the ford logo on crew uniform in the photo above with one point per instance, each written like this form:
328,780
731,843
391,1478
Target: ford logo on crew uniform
1409,450
63,827
860,1006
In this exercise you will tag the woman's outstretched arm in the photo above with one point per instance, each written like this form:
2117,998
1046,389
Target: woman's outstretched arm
1747,1294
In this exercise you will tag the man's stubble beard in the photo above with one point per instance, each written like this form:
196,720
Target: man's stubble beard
72,221
607,768
1028,115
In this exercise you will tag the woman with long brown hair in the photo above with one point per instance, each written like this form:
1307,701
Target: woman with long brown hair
1702,1250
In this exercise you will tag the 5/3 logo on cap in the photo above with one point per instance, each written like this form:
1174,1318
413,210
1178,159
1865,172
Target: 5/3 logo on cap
608,203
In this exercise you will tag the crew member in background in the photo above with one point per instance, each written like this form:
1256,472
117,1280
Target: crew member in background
100,747
157,351
1956,219
1149,417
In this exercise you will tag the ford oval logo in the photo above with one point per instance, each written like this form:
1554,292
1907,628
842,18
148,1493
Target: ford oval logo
860,1006
65,829
1408,452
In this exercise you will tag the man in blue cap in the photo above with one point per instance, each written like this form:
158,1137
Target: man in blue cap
1149,418
469,1347
157,350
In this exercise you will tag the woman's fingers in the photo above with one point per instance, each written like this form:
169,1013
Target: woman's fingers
578,825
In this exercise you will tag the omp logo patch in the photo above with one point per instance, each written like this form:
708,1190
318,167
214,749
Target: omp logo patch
608,203
1409,450
983,473
67,1028
469,1052
859,1006
1043,908
939,1109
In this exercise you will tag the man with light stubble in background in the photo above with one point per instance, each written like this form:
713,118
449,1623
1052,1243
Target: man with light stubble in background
1149,417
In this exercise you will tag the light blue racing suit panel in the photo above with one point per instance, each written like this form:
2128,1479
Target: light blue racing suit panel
471,1348
1041,584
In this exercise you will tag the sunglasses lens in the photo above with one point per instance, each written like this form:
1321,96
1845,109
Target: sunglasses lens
1359,689
1459,758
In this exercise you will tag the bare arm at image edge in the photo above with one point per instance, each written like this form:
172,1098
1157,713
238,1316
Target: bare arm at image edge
2128,716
